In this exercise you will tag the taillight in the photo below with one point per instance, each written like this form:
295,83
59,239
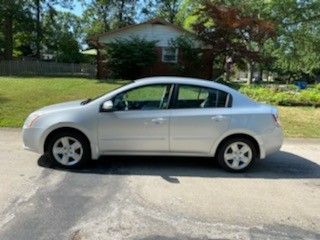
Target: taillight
276,120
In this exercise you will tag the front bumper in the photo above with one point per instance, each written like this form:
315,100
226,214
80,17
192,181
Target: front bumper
32,139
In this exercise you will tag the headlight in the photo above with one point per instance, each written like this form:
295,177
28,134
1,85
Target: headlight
31,120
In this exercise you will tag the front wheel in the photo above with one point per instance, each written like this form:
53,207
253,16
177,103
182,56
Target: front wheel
68,150
237,154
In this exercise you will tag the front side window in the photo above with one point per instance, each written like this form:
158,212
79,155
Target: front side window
170,55
201,97
152,97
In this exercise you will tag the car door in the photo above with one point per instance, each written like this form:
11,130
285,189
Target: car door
199,117
139,121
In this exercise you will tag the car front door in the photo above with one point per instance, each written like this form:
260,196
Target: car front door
139,121
198,118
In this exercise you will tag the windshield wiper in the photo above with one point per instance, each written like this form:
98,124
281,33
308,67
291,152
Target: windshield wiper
86,101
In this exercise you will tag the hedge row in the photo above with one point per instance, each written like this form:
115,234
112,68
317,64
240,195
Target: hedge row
284,96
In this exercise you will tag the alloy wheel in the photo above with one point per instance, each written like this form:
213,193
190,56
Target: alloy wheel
67,151
238,155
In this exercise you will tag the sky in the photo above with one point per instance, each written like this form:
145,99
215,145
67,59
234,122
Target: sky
77,9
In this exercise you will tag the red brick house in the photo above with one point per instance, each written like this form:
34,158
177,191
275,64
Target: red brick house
162,32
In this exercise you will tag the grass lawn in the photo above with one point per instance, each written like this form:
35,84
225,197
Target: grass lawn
300,121
20,96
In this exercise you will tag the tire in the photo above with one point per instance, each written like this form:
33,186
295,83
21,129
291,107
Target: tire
68,149
237,154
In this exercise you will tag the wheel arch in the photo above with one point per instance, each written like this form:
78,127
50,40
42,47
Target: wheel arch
64,129
254,140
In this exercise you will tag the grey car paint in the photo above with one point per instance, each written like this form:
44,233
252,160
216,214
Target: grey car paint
157,132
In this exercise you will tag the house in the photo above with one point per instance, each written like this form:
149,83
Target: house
162,32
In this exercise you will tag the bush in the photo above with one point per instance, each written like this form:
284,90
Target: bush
283,96
128,58
191,64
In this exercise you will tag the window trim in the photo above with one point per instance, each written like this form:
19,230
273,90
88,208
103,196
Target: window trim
147,85
173,104
163,54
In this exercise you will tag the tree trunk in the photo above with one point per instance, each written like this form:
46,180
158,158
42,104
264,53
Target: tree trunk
8,35
38,28
260,73
120,15
250,72
105,20
228,72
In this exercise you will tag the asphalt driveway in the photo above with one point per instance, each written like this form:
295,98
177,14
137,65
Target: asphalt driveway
159,198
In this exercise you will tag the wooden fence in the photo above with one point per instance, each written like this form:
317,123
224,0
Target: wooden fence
46,68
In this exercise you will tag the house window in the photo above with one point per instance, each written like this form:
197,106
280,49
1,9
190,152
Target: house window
169,55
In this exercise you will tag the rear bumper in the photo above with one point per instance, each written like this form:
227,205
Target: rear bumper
31,139
271,142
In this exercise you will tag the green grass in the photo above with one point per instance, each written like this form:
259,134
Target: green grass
300,121
20,96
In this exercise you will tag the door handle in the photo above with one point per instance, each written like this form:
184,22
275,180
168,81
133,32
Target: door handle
158,120
218,118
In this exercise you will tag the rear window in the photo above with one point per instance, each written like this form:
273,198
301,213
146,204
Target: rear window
201,97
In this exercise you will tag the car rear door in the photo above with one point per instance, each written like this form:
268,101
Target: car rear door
199,116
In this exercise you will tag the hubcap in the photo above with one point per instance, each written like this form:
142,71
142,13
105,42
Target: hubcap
238,155
67,151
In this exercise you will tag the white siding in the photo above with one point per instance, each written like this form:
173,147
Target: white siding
151,32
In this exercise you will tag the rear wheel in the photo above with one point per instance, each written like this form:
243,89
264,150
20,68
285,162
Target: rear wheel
237,154
68,149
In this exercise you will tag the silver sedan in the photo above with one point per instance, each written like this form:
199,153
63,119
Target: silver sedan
157,116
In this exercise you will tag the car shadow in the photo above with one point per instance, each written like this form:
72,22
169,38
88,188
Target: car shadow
281,165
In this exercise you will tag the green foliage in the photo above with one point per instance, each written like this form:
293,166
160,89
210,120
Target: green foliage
283,96
294,49
68,49
191,64
168,9
128,58
102,15
62,33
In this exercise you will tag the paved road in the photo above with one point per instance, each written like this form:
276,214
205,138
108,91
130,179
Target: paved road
159,198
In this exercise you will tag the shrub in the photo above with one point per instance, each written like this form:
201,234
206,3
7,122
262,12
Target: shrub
191,64
128,58
283,96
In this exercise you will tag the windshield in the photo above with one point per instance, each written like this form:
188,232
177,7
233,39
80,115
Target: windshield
95,98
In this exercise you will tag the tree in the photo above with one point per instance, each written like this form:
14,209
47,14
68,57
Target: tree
62,34
124,12
168,9
12,16
128,58
96,17
102,15
232,33
295,50
191,64
68,49
41,6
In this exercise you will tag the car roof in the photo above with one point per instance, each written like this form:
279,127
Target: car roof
173,79
184,80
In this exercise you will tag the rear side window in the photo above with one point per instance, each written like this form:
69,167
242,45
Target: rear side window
189,96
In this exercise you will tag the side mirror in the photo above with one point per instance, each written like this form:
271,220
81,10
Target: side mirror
107,106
